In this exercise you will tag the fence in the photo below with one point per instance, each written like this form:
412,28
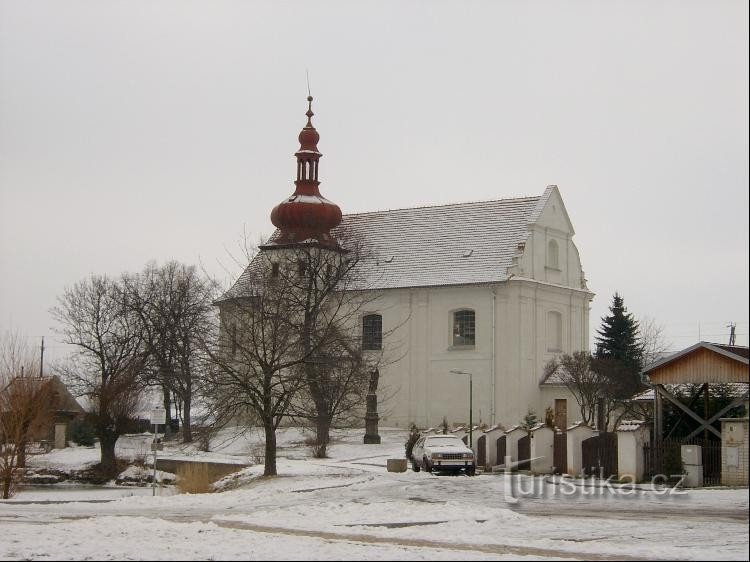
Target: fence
666,458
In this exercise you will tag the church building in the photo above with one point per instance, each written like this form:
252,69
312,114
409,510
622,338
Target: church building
491,288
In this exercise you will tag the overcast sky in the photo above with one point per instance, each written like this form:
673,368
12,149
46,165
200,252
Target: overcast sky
132,131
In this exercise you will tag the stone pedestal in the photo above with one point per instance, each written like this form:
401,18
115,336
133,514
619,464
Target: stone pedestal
371,420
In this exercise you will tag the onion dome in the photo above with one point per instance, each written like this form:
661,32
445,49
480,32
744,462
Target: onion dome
306,215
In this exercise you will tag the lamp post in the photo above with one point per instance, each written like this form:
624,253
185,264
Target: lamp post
471,404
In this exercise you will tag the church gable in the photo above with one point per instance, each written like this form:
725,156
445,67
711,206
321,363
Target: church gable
552,214
548,253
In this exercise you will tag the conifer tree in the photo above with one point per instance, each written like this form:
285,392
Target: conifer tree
618,344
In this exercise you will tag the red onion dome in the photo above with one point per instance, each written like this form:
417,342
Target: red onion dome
310,213
306,214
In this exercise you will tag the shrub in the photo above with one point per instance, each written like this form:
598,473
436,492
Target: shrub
672,463
413,438
444,426
549,417
82,433
194,478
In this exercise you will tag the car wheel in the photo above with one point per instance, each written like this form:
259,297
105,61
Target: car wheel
471,471
426,465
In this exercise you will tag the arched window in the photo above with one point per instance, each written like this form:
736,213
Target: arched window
463,327
554,331
553,254
372,332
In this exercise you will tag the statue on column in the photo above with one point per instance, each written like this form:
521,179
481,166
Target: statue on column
371,417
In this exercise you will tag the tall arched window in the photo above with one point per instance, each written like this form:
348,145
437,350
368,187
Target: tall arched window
554,331
372,332
464,327
553,254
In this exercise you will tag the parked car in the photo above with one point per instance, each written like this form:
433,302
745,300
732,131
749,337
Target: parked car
442,453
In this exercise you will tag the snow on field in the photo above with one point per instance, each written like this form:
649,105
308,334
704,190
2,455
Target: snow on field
349,506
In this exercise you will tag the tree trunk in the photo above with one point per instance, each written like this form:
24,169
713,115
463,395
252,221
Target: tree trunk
21,454
168,411
270,462
187,432
322,429
108,460
7,480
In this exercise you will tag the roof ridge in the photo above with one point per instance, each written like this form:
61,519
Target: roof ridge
526,198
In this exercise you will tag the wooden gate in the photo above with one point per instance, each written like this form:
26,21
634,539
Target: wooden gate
599,455
560,452
500,447
524,453
482,451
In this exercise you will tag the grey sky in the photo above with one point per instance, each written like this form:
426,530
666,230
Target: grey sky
132,131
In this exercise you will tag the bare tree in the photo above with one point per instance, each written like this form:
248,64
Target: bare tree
590,388
653,342
174,304
110,356
289,340
25,407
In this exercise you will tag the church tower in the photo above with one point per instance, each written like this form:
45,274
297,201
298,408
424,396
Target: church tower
306,217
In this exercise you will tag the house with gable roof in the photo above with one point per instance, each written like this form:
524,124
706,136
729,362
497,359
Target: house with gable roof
494,288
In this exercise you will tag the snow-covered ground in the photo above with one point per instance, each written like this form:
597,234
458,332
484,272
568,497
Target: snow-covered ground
348,506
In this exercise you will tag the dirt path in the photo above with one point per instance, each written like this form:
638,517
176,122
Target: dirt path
417,543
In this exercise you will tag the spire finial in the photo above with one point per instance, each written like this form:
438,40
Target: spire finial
309,112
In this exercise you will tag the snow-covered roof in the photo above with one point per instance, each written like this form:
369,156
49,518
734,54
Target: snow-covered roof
458,244
732,389
630,425
555,378
455,244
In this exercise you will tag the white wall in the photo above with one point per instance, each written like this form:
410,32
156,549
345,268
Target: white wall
422,389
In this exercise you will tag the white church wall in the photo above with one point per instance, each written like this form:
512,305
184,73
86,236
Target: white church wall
420,385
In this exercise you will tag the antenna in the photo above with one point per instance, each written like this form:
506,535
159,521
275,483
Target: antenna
732,335
307,73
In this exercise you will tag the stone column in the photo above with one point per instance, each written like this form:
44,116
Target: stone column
632,435
734,451
371,417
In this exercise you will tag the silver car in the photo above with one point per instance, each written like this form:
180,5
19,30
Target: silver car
442,453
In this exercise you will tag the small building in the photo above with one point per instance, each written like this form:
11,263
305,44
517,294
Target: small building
63,410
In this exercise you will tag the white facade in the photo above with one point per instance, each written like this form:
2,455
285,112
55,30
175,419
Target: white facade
512,265
538,310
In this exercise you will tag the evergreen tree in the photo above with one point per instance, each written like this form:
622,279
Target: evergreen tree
618,344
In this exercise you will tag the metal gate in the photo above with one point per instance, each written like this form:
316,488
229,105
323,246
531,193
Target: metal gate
524,453
560,452
664,458
599,455
482,451
500,447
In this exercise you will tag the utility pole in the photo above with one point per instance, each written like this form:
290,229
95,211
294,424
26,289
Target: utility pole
732,335
41,361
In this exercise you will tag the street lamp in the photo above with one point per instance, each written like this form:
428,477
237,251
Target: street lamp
471,405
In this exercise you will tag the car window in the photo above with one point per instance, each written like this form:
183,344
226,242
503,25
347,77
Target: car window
443,441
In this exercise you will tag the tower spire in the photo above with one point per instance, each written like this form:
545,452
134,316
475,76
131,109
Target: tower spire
306,215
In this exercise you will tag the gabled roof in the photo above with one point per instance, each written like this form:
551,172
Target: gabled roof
458,244
455,244
737,353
